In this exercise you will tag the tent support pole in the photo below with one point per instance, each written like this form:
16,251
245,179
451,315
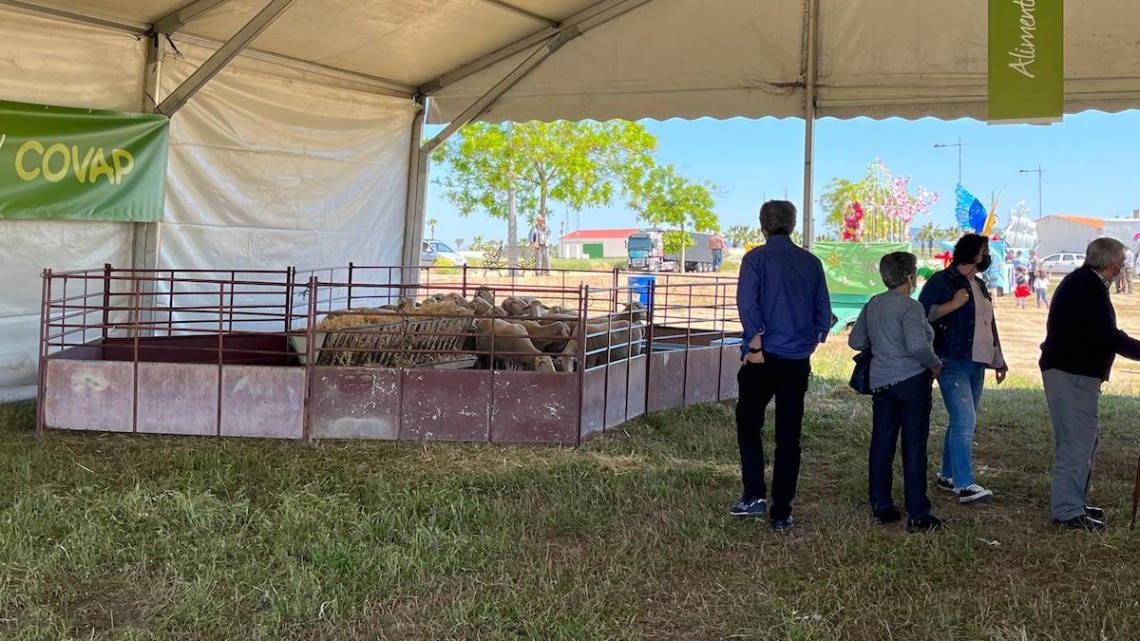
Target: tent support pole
810,70
145,236
223,56
418,167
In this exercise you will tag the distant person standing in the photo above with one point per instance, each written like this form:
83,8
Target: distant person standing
1041,287
540,240
1127,273
961,310
785,310
717,246
1081,343
1034,267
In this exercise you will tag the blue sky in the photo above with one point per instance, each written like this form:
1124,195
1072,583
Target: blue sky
1091,162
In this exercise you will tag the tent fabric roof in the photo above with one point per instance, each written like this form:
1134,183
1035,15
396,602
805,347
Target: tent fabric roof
675,58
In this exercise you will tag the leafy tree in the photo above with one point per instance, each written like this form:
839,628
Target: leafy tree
667,199
926,235
739,235
833,202
503,169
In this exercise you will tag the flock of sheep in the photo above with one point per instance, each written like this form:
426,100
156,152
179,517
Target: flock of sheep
521,332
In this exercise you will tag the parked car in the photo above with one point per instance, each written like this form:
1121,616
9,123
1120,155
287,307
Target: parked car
1062,263
436,252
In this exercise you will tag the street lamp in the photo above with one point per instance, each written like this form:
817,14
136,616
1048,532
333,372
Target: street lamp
1038,171
959,145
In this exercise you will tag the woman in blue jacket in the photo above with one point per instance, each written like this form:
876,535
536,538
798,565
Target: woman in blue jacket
961,310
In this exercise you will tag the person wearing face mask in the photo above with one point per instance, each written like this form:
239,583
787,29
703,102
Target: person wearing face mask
893,326
961,310
1081,343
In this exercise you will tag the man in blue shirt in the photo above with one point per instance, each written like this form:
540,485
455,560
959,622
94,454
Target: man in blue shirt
784,307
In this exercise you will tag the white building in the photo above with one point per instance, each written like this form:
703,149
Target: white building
595,243
1061,232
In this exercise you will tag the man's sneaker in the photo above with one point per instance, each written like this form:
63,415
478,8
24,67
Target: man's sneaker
944,483
1094,512
784,524
974,493
889,515
753,508
1082,522
928,523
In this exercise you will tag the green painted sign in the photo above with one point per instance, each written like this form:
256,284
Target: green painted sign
62,163
1026,60
853,268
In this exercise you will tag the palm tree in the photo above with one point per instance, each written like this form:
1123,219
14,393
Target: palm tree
431,223
459,244
926,235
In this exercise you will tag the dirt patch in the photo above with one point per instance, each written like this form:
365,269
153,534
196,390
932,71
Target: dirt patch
99,605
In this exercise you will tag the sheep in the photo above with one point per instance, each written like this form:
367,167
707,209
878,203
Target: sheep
512,343
486,293
551,338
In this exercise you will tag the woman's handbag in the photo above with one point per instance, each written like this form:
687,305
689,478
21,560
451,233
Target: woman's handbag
861,375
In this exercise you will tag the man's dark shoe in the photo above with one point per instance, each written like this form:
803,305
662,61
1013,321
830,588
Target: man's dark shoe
784,524
1094,512
749,508
928,523
889,515
1082,522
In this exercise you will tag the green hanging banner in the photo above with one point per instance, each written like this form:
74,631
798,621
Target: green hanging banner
1026,60
61,163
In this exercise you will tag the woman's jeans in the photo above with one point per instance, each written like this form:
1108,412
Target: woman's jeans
961,385
903,408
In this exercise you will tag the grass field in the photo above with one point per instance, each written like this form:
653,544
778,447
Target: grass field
117,537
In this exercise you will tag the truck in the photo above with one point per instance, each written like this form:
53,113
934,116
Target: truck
646,252
698,258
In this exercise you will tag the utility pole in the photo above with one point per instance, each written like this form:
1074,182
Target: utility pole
959,145
1039,171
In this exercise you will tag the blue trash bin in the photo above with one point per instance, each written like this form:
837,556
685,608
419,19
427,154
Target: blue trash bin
640,289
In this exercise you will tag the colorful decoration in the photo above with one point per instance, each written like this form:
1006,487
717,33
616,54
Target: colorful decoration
970,212
1021,232
884,207
946,257
853,223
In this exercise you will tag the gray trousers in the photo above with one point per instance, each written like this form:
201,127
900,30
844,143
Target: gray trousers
542,258
1073,404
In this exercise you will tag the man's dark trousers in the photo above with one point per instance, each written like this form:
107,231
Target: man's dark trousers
786,380
903,407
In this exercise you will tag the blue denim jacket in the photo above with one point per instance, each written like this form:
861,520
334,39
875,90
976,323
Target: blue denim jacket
954,332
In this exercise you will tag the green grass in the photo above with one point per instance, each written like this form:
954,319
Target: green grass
587,264
119,537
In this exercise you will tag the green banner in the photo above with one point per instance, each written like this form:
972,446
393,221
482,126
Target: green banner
853,268
62,163
1026,60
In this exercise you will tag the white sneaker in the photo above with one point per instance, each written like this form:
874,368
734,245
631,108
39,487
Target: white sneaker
974,493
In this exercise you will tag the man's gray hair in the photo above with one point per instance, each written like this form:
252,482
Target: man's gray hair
1103,252
897,267
778,217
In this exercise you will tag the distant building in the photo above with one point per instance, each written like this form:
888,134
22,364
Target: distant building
1064,233
595,243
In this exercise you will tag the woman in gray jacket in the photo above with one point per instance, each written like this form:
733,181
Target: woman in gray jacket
903,368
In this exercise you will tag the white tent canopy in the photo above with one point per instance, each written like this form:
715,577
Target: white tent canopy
305,148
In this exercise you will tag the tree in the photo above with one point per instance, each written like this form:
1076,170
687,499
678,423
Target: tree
459,244
834,200
431,223
666,198
740,235
927,234
501,170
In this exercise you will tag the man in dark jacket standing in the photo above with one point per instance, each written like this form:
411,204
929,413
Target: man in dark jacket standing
786,312
1081,342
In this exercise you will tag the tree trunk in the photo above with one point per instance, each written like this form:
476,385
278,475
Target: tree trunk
682,239
512,228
